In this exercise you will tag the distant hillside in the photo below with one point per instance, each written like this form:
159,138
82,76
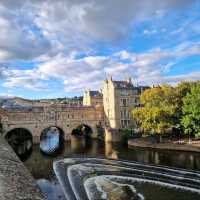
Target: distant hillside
10,102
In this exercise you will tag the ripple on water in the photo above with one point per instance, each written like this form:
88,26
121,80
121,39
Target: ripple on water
51,189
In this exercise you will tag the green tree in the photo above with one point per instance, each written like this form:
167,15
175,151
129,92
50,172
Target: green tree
160,109
191,110
184,88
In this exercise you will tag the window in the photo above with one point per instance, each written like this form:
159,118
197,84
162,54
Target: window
124,102
122,123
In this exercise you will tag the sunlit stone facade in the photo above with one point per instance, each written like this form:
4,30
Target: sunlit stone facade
92,98
35,120
119,98
110,108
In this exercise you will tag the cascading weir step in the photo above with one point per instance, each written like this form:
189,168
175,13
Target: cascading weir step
99,178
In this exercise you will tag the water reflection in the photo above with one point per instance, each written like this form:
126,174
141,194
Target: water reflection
51,140
51,189
40,165
110,151
77,144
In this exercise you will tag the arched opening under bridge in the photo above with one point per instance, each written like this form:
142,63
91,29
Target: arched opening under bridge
21,140
82,130
51,140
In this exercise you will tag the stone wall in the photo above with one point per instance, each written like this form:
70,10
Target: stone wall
66,118
16,183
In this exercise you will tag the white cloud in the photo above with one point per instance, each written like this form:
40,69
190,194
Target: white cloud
150,32
25,82
193,76
90,71
32,28
56,33
6,95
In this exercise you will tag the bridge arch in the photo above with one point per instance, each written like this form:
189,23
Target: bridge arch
51,139
82,129
61,131
21,140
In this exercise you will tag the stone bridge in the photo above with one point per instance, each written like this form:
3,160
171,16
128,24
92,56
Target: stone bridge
37,119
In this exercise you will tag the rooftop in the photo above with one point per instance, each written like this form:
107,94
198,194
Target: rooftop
94,93
123,84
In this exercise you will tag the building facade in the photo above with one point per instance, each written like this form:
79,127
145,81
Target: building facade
119,98
108,110
92,98
37,119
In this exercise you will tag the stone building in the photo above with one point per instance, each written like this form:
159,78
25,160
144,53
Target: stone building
75,101
36,119
119,98
108,110
92,98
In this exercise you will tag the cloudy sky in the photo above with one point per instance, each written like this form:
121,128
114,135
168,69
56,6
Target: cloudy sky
58,48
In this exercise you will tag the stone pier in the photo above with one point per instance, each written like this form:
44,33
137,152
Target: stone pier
112,135
16,183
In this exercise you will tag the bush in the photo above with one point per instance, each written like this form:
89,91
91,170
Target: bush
126,135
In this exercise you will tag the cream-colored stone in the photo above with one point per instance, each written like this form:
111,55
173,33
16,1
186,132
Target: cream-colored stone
38,119
92,98
119,98
109,108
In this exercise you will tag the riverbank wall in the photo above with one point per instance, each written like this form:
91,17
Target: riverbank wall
16,183
163,146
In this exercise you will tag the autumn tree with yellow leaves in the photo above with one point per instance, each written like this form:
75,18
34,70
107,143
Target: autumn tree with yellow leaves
167,107
160,109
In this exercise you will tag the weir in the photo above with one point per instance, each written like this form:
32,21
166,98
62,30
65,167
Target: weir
15,180
92,178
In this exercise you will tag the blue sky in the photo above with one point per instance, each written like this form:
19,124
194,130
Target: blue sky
60,48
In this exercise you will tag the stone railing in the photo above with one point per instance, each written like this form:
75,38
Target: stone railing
15,180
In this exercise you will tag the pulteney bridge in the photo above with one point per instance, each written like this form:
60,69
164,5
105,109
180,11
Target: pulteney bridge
66,118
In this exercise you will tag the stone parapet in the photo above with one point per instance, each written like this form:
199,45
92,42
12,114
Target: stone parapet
15,180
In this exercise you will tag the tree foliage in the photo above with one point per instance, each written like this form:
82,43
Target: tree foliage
160,109
191,110
166,107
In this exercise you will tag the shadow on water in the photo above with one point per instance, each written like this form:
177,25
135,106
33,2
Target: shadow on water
21,142
40,165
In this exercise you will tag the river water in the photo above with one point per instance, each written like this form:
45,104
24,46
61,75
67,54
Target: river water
41,166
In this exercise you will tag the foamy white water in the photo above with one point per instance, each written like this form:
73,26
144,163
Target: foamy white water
91,178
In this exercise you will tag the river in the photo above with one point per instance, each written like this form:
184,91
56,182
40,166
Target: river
41,168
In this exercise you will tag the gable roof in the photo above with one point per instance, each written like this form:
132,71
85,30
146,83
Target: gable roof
123,84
